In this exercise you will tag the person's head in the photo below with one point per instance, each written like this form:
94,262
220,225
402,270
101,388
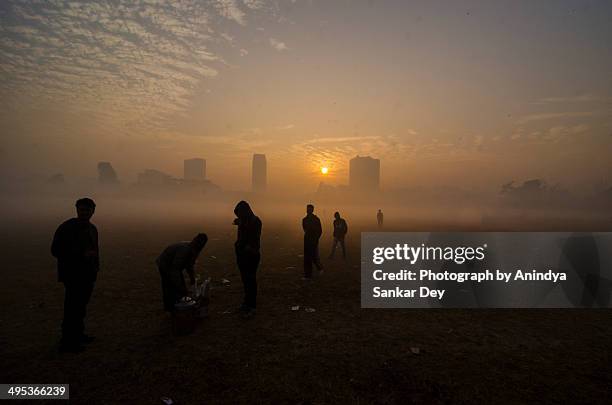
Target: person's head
379,210
199,242
85,208
243,210
309,209
337,215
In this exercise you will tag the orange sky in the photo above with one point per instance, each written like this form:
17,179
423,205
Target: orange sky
471,94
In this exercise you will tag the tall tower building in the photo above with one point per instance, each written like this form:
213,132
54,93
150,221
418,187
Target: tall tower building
364,174
106,173
259,172
194,169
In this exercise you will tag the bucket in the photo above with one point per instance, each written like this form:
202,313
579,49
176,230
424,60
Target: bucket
184,318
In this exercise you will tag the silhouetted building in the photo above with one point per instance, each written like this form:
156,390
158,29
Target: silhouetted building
364,174
194,169
152,177
259,172
106,173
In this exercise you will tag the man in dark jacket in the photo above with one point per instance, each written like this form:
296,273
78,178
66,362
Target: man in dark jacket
340,230
171,263
312,232
75,245
247,248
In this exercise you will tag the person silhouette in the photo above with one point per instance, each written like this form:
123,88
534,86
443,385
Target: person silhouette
248,254
312,232
379,218
340,230
75,246
171,263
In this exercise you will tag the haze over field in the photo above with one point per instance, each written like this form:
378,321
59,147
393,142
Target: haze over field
463,94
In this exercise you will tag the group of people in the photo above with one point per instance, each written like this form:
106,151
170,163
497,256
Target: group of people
75,245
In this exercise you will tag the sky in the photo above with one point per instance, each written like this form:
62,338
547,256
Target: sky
468,94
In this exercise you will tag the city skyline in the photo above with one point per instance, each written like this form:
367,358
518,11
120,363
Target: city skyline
465,94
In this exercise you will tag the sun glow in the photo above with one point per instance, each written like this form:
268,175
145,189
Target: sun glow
324,170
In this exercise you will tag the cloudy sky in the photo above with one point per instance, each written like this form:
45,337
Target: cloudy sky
466,93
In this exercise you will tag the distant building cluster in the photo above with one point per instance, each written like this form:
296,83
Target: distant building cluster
106,174
364,177
364,181
194,176
364,174
194,169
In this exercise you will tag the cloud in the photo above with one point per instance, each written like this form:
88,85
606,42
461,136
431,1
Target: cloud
285,127
129,65
557,115
278,45
230,10
227,37
253,4
580,98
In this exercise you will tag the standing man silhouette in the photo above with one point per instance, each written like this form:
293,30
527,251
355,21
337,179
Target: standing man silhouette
75,245
379,218
247,255
312,232
340,230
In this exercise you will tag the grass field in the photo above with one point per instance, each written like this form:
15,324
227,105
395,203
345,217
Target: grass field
338,354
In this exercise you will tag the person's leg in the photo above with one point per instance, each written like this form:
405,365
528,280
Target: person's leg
248,272
68,324
245,283
251,296
343,248
168,296
317,258
307,260
85,289
177,283
333,250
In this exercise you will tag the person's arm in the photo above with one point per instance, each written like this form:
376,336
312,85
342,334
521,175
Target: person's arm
97,247
319,227
345,228
58,246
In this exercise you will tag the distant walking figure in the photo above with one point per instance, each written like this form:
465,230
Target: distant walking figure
379,218
171,263
75,245
312,232
340,230
247,254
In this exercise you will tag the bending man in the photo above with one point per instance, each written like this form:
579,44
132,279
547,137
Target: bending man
171,263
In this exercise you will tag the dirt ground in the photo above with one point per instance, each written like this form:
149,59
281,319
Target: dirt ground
338,354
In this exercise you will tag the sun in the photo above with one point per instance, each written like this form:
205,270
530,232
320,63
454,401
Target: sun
324,170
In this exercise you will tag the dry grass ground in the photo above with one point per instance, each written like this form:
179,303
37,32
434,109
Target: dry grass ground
338,354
